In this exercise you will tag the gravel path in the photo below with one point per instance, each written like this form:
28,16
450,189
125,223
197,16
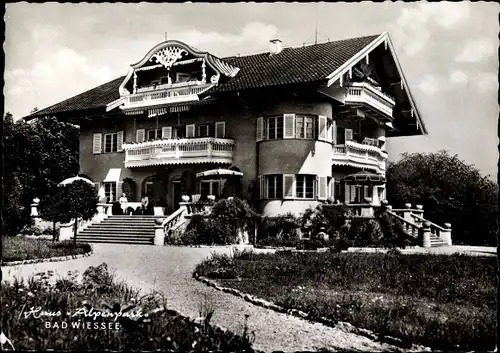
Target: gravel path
169,269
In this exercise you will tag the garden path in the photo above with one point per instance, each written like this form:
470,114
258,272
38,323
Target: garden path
169,269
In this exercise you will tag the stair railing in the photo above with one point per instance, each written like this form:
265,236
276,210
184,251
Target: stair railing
415,224
171,223
443,233
412,229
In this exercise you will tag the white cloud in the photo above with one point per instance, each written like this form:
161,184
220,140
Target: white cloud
412,31
429,84
476,50
458,77
253,35
486,82
46,82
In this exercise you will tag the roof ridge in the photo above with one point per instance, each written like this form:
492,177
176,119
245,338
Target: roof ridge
302,45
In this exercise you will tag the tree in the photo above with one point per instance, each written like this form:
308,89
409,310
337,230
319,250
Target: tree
77,200
37,156
15,206
450,191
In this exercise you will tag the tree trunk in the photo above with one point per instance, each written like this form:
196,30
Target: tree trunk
75,229
53,231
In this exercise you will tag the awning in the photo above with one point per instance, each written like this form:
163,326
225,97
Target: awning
73,179
113,175
219,173
365,178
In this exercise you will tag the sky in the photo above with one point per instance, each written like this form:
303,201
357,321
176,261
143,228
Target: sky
448,53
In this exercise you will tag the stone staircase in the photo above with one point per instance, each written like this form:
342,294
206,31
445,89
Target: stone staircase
436,241
121,229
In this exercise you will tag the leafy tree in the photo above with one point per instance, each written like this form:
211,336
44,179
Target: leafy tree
450,191
15,206
77,200
37,156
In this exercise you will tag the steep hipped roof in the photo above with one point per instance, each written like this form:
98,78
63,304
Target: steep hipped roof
95,98
292,65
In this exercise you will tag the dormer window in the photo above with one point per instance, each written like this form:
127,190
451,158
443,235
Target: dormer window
182,77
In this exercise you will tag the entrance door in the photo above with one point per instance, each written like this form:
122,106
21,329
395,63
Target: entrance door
176,194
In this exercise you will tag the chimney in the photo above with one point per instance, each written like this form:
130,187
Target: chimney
275,46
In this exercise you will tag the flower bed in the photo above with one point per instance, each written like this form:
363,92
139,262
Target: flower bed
23,248
155,328
444,302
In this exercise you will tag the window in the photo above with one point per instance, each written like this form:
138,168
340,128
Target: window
110,143
182,77
206,130
209,187
304,186
154,134
304,127
179,132
275,127
339,191
274,186
110,191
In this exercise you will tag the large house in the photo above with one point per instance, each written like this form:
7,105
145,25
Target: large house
300,123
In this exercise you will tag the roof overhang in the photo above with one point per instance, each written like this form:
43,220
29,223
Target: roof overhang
383,39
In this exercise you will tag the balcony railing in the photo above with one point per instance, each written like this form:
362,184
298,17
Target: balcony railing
165,95
364,93
181,151
359,155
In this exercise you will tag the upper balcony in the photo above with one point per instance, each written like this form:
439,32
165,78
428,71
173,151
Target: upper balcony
360,155
164,94
369,96
179,151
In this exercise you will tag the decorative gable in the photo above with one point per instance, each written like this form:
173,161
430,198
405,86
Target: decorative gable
174,64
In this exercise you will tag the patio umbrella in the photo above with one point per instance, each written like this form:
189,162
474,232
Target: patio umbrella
365,178
73,179
220,173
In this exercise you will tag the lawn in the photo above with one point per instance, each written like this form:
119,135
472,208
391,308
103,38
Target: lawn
441,301
99,291
21,248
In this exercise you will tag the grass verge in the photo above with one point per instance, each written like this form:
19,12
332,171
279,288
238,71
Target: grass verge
33,313
441,301
22,248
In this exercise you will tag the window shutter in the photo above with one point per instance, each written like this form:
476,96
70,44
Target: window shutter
332,188
334,132
119,141
288,126
322,128
329,135
347,189
220,129
190,129
322,187
261,186
260,129
289,184
166,132
97,144
140,135
348,134
119,190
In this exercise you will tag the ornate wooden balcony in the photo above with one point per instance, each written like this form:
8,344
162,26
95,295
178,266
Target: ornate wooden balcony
181,151
360,155
164,94
365,94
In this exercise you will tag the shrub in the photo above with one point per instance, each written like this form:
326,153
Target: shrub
21,248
